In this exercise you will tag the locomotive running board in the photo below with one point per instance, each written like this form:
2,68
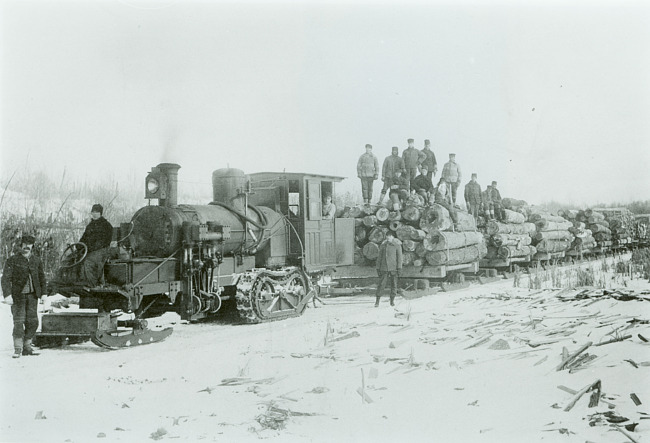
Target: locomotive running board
125,339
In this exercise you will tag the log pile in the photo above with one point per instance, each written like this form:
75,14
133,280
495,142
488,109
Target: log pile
552,233
426,233
599,227
511,237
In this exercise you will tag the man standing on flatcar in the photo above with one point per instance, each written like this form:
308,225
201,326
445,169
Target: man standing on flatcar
429,161
412,159
451,174
392,164
368,172
473,196
389,266
97,238
23,284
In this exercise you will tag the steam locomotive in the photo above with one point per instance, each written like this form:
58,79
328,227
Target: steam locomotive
251,250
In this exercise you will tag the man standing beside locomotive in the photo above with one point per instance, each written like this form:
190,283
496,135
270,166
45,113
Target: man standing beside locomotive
451,174
23,284
97,238
368,172
389,266
392,164
412,159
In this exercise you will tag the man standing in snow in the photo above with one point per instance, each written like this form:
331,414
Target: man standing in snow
23,284
97,238
389,266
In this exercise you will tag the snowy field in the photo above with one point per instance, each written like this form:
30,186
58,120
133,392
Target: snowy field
477,365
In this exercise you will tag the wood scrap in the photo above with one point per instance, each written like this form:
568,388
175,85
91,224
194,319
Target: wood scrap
573,391
595,386
613,340
573,356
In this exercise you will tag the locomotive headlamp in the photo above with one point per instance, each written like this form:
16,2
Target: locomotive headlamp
152,185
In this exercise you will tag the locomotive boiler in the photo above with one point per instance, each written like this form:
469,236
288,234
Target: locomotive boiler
196,260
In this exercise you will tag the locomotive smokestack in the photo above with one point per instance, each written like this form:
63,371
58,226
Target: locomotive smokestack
162,183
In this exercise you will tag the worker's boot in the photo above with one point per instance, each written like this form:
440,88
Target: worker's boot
27,347
18,347
381,198
377,302
392,300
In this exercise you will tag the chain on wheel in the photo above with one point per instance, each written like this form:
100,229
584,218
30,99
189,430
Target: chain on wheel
273,295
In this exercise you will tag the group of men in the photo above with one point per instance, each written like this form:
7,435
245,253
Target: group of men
24,284
413,173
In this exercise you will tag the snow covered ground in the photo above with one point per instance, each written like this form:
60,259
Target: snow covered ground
450,367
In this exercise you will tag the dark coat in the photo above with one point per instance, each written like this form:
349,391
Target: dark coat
16,272
495,195
430,160
98,235
392,164
412,157
390,257
400,183
422,182
473,193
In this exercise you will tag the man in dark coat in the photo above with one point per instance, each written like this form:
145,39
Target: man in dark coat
23,284
422,184
412,159
399,190
429,161
97,238
473,196
389,266
495,197
392,163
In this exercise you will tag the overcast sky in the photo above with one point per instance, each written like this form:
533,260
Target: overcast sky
552,99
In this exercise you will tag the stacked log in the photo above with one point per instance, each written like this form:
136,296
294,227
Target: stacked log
511,237
420,231
599,227
552,232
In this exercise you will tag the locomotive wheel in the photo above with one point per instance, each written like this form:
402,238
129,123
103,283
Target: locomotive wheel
274,297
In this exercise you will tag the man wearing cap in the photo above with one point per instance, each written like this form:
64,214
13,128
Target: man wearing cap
389,266
23,284
473,196
486,200
422,184
412,159
429,160
451,174
97,238
495,198
392,163
399,190
368,172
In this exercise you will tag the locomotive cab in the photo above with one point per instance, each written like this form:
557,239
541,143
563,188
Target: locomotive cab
299,197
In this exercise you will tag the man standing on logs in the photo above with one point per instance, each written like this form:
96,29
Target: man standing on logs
422,184
451,174
412,159
473,196
368,172
488,207
429,161
391,164
389,266
495,198
443,198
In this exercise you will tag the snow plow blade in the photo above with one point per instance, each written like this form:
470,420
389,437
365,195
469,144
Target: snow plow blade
127,339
